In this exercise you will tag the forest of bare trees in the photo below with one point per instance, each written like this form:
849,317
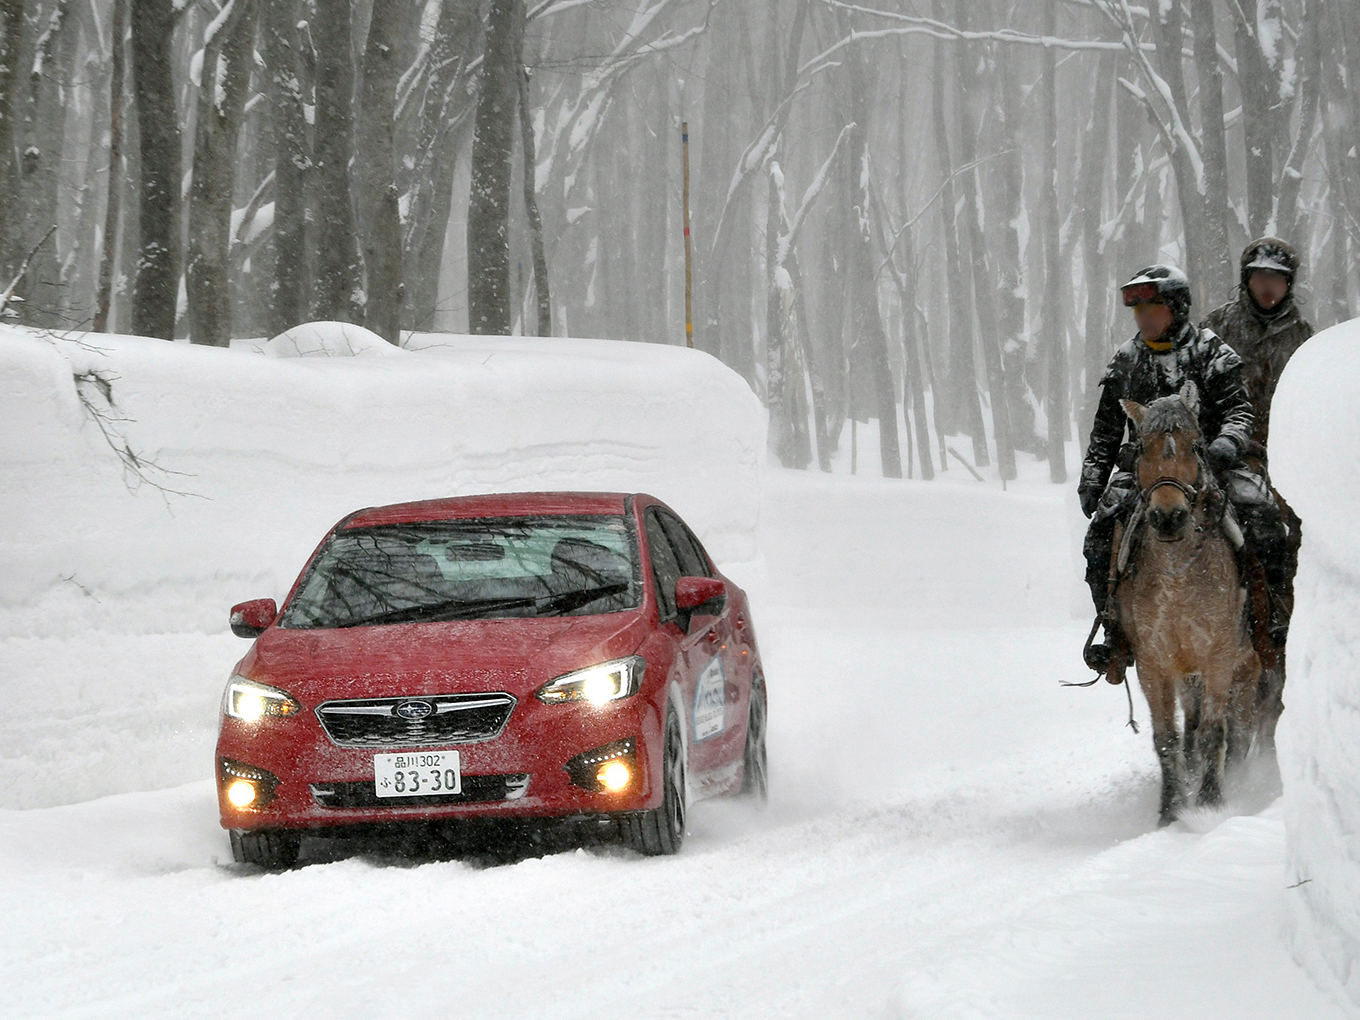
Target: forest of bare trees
907,211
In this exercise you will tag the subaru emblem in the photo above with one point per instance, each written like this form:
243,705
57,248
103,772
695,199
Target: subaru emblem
414,711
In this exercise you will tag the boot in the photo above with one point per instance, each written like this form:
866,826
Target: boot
1110,657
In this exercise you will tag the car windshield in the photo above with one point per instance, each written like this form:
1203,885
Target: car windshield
470,570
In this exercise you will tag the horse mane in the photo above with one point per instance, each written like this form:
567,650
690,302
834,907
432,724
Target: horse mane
1168,414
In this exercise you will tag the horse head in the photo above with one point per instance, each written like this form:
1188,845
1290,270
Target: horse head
1170,468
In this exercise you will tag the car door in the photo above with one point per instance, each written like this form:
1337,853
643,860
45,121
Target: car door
717,703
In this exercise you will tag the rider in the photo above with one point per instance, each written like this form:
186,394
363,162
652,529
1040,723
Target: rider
1262,324
1168,352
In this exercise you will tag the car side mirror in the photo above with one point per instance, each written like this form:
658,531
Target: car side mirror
700,595
250,619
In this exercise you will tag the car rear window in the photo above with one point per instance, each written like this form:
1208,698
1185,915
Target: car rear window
487,568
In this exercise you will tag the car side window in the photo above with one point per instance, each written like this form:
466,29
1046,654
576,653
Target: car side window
693,562
665,566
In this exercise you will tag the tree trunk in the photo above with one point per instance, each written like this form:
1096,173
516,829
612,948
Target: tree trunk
537,247
117,171
292,162
375,171
488,227
1220,278
337,294
1255,78
1009,102
1094,149
1309,58
156,291
445,121
973,94
1056,341
868,330
1168,31
44,132
11,45
963,407
226,71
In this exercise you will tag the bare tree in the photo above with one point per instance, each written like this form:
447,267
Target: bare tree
113,203
375,174
338,292
228,48
1056,334
158,131
492,156
11,44
292,162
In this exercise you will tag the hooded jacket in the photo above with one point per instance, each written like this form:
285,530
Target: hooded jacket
1265,343
1138,373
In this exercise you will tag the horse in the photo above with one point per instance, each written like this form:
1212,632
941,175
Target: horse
1182,608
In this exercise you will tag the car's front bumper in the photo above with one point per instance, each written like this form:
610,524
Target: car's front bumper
520,773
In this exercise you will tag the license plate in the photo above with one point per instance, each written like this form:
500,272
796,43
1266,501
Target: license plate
417,774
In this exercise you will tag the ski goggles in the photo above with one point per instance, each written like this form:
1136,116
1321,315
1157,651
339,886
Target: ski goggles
1141,294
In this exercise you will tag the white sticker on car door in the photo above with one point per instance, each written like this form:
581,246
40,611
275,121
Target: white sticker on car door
710,700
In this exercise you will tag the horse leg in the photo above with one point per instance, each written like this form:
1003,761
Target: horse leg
1192,704
1269,702
1160,692
1242,706
1211,738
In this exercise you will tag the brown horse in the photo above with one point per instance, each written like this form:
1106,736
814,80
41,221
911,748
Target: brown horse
1181,606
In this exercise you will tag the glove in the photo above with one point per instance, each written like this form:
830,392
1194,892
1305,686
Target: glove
1222,453
1090,498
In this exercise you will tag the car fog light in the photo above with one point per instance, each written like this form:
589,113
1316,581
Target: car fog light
614,776
245,787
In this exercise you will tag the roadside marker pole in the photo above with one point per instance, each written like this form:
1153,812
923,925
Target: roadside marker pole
689,275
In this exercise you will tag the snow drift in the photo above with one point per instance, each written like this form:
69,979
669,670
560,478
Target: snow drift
1315,447
90,541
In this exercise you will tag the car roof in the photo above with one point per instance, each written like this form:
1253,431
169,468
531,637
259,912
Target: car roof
515,504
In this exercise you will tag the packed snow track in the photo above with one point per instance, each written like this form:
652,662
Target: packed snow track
950,832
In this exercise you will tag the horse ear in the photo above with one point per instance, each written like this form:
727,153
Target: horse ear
1190,394
1134,410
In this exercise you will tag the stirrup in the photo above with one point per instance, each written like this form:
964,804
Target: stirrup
1098,657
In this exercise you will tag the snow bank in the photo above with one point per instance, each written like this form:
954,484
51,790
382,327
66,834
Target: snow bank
1315,448
257,456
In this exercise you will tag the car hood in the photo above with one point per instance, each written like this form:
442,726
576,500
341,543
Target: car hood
515,655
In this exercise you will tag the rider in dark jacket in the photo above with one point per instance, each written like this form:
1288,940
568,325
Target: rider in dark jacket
1143,370
1262,324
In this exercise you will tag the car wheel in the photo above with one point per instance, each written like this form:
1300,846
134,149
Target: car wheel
276,849
755,782
661,830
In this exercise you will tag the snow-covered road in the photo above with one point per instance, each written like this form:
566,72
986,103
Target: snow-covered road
950,834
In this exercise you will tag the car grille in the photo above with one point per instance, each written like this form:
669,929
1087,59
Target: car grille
416,722
476,789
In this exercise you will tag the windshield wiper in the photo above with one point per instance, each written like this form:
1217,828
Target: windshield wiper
572,600
450,609
471,609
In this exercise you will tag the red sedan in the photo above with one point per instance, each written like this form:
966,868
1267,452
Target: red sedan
532,656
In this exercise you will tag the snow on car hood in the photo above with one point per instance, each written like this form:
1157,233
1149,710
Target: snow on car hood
514,655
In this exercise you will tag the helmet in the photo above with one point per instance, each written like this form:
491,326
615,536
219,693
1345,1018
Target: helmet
1160,284
1269,253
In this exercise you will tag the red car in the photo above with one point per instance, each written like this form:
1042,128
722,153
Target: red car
531,656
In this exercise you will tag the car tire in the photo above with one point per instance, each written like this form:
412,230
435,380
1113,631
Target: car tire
755,779
661,831
268,849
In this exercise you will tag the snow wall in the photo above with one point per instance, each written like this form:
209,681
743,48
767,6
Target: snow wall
265,446
1315,463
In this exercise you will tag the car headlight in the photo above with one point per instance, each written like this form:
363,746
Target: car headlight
249,701
598,685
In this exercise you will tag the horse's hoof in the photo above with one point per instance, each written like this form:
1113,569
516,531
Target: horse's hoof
1166,819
